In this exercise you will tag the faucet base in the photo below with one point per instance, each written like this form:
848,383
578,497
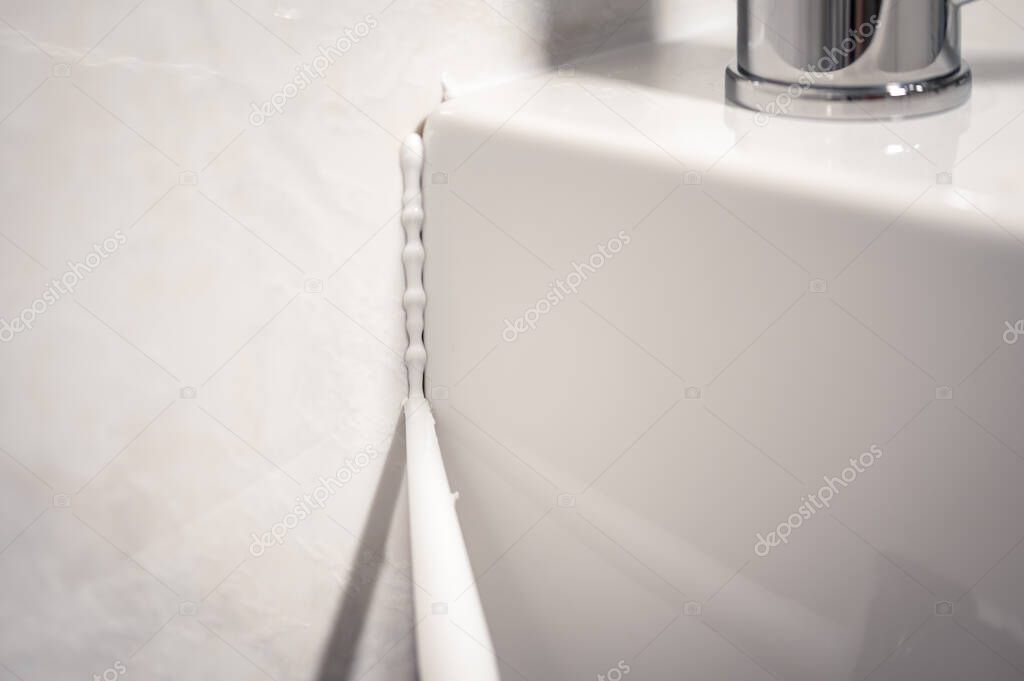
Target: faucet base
892,100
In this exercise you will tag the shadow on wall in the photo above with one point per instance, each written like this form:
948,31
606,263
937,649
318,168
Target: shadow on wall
592,35
691,69
576,29
360,637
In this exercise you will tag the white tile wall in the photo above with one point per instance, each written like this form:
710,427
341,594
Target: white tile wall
243,341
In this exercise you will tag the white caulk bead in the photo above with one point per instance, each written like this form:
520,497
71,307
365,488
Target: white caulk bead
412,213
415,299
449,88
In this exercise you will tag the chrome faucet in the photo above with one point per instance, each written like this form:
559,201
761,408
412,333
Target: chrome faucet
849,59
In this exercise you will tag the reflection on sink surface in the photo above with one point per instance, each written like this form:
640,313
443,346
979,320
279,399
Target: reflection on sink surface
658,323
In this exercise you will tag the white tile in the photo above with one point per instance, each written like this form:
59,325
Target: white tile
63,588
310,375
190,529
826,594
69,33
204,68
818,388
943,651
208,657
368,287
72,175
316,181
919,503
22,280
26,68
23,496
190,319
80,389
308,24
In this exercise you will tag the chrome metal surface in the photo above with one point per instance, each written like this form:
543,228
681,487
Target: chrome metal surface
849,59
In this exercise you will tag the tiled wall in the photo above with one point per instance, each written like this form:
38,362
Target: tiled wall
200,293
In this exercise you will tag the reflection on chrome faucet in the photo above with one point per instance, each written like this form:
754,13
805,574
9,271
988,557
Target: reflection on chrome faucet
883,58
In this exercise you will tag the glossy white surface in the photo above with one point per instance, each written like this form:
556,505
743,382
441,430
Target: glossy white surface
210,291
790,295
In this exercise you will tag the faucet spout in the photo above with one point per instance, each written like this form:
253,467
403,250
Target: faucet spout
849,59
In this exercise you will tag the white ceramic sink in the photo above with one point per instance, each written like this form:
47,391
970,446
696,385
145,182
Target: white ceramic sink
763,299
